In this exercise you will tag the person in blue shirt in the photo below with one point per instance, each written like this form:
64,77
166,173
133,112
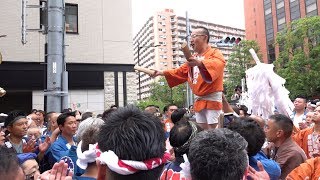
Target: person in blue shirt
65,146
255,136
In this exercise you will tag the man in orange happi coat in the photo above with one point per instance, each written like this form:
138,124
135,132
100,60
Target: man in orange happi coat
204,73
309,139
310,169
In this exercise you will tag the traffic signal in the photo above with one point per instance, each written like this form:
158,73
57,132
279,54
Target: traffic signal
227,41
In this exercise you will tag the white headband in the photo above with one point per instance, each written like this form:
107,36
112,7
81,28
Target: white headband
126,167
86,157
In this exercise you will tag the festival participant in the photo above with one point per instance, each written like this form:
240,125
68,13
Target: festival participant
132,145
308,170
220,154
204,73
283,149
309,139
180,138
254,135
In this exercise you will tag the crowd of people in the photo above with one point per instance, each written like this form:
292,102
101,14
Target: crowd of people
130,143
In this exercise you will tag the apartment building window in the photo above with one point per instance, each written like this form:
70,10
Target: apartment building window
311,8
71,13
269,29
281,19
294,9
280,5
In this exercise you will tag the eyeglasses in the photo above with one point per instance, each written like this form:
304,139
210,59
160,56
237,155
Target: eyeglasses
196,35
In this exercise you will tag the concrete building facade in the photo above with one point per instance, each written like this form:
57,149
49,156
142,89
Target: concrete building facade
159,40
265,18
98,56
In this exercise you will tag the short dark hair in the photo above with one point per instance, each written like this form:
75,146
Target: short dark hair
48,118
166,108
284,123
107,113
89,136
180,136
42,112
218,154
133,135
205,31
302,97
251,131
9,164
62,117
177,115
86,115
244,109
11,118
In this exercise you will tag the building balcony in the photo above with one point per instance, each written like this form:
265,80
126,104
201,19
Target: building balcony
174,34
174,27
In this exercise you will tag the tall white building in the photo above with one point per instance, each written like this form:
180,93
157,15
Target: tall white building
98,54
159,43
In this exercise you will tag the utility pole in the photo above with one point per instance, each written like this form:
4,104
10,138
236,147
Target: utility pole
53,17
56,70
189,92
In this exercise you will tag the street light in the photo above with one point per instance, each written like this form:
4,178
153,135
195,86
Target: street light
139,48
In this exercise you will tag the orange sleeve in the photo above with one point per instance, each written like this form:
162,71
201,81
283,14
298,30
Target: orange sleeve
215,64
298,138
308,169
176,76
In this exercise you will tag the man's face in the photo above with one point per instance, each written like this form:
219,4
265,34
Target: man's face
70,126
31,169
36,119
299,104
271,130
34,133
41,117
19,128
316,115
53,121
309,117
171,109
198,39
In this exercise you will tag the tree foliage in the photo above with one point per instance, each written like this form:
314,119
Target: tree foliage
298,60
162,95
239,61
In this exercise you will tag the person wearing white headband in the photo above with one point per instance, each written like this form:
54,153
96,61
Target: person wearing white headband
132,145
87,148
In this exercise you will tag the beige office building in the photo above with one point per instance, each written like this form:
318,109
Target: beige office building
158,43
98,54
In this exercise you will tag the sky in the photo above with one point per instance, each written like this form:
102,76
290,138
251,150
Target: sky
223,12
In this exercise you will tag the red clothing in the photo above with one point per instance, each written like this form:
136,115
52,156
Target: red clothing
214,63
168,125
311,169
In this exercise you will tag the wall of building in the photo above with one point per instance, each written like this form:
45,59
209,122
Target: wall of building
254,25
265,16
104,33
82,100
103,42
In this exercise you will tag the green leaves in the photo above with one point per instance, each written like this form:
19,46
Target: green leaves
299,61
239,61
162,94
